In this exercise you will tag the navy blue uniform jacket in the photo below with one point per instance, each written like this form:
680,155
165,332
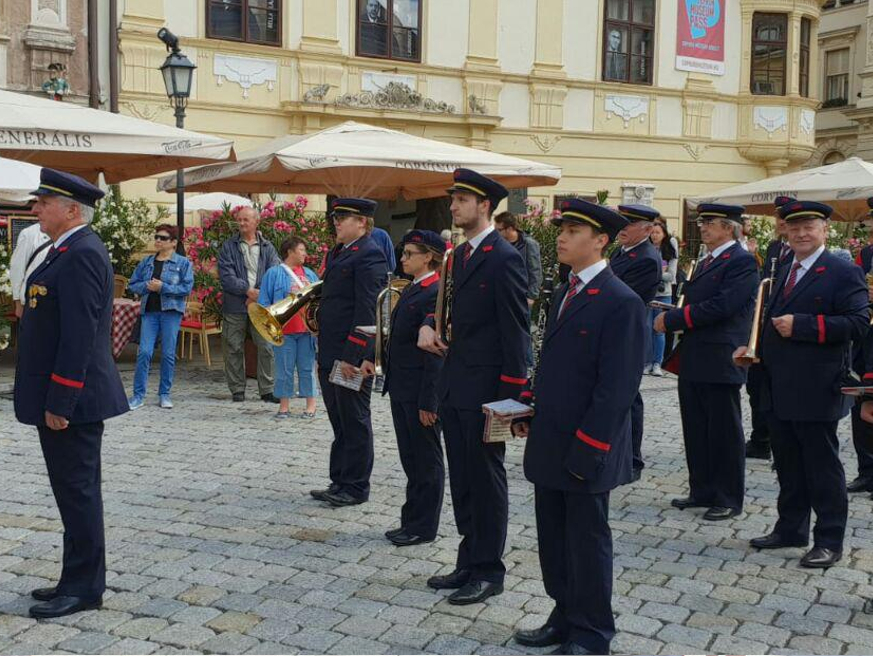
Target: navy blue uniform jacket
865,258
353,278
589,373
412,372
65,360
716,317
774,250
490,327
805,371
639,268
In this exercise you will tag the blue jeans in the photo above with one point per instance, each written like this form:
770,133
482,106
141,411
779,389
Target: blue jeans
298,352
659,340
151,324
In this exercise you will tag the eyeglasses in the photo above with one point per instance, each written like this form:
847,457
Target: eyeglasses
408,254
163,238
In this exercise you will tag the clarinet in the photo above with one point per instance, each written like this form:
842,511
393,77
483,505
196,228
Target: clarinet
546,294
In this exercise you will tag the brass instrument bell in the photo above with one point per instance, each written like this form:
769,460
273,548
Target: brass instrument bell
269,321
385,304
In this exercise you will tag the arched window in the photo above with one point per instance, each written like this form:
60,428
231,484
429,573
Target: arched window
833,157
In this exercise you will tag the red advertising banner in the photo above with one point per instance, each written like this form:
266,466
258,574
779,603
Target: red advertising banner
700,36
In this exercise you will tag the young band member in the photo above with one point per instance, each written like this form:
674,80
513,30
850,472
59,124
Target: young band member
758,445
355,273
411,381
638,264
716,319
819,305
580,444
485,362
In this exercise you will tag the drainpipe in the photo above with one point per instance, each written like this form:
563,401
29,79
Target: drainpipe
93,59
113,56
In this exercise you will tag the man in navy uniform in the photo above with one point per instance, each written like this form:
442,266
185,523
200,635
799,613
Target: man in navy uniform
865,257
354,275
66,382
779,250
716,319
819,305
580,443
862,432
638,264
410,379
485,362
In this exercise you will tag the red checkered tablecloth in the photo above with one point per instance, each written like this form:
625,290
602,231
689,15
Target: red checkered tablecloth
124,315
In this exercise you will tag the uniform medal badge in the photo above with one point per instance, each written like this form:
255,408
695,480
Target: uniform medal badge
33,294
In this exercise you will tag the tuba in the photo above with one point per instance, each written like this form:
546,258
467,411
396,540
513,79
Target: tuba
268,321
753,350
385,304
443,313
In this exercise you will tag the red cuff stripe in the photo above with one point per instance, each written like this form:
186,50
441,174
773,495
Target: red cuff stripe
821,329
428,316
359,342
868,376
687,313
66,382
514,381
527,393
603,446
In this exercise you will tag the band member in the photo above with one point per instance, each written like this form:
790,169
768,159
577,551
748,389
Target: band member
758,445
67,384
865,256
638,264
411,381
819,305
579,446
715,320
485,362
354,275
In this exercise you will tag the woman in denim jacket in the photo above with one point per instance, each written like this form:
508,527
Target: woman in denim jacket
298,350
163,281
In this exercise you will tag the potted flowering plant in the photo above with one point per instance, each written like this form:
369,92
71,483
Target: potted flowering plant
279,221
125,226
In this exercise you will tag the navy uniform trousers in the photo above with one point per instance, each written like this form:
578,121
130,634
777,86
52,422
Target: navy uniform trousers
351,452
862,440
72,457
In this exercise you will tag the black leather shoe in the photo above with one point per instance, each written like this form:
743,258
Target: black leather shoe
687,502
717,513
319,494
44,594
339,499
775,541
820,558
542,637
404,539
269,398
860,484
474,592
571,648
451,581
394,531
757,451
60,606
239,397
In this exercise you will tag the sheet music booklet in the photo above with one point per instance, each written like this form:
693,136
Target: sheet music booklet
499,416
336,377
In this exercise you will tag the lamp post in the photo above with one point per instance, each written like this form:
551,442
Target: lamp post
178,73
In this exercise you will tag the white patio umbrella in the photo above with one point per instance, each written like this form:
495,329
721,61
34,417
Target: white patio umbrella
845,186
354,159
214,201
87,141
17,180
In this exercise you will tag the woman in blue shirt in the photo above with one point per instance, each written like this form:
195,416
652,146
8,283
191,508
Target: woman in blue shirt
163,280
298,350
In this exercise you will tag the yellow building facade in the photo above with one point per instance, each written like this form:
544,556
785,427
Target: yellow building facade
593,86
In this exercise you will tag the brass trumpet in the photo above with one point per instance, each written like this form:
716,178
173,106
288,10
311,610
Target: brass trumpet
385,304
268,321
690,270
753,350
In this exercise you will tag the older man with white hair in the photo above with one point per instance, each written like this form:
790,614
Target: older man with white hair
67,384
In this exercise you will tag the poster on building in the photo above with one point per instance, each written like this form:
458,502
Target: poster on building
700,36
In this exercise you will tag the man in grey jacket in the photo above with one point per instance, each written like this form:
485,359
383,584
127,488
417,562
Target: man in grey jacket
241,265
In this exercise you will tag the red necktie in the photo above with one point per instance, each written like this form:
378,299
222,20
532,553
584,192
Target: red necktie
783,251
573,281
468,253
707,261
792,280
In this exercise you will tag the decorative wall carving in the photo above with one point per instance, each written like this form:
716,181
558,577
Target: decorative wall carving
545,142
476,106
635,192
807,121
627,108
547,106
316,94
395,95
375,82
695,150
771,119
145,111
245,71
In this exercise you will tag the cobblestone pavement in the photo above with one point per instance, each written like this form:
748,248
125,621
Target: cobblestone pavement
214,546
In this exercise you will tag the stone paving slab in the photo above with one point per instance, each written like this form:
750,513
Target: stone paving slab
215,546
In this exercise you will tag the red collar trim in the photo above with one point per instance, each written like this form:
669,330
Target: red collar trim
725,256
593,292
427,282
62,249
820,269
488,248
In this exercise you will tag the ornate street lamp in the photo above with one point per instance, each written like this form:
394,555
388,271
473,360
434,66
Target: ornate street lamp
178,72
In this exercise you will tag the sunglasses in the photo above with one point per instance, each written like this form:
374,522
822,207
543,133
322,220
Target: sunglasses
163,238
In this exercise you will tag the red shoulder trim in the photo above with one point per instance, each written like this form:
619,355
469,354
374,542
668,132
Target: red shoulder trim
66,382
590,441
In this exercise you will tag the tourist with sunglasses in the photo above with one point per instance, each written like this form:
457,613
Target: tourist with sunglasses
162,280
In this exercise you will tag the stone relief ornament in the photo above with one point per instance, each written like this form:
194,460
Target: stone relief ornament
807,121
771,119
476,105
245,71
695,150
545,142
316,94
627,108
395,95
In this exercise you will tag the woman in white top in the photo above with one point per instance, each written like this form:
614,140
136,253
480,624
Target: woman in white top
669,262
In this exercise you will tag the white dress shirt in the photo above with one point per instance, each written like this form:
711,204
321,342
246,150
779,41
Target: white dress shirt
424,277
29,240
806,263
478,239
